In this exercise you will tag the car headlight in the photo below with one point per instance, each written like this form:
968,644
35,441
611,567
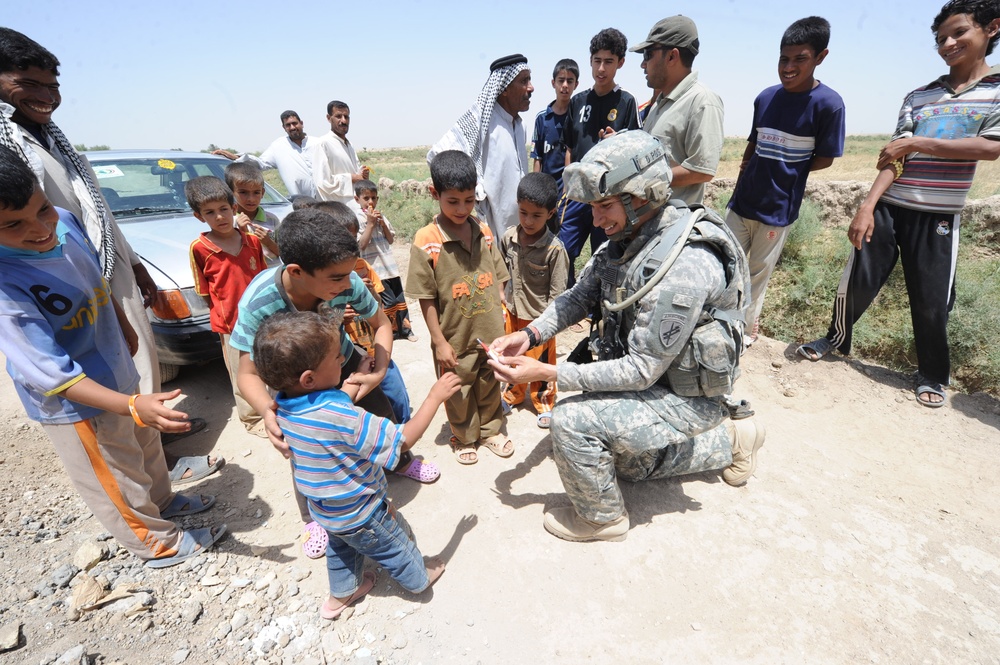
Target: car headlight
178,304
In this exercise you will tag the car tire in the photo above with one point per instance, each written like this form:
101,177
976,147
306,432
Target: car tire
168,372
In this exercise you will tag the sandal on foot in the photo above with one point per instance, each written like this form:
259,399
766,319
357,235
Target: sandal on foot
197,425
192,544
187,504
420,471
331,613
815,349
499,445
928,388
314,540
544,420
199,467
460,449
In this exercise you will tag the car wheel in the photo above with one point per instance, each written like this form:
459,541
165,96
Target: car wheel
168,372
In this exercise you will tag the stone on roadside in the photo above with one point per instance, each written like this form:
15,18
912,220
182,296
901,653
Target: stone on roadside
180,656
89,555
264,581
191,611
75,656
211,580
331,644
10,636
239,620
399,641
62,575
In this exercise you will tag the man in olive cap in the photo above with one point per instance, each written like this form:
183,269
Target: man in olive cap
685,115
491,132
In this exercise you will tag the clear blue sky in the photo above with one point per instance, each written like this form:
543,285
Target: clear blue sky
184,74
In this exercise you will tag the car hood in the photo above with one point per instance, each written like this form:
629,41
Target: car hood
163,242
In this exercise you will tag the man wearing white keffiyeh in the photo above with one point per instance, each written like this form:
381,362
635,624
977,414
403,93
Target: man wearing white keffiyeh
29,94
491,132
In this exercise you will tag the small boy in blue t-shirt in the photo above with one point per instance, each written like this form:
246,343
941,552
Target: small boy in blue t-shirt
68,347
798,127
548,144
339,451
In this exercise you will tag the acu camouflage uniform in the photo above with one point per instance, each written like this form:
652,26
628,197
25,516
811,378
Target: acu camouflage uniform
634,421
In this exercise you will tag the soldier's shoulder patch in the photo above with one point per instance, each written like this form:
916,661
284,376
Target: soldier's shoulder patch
671,326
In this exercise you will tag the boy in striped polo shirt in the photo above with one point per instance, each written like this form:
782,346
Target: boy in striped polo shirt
339,451
912,210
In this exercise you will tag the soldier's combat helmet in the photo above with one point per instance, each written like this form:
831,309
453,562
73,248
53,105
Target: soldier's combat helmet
630,163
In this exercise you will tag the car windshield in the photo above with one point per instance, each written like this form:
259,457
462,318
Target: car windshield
139,186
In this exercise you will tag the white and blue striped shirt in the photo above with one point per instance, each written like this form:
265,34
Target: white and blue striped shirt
339,451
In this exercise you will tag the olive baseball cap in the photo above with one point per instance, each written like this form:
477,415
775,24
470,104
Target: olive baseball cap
676,31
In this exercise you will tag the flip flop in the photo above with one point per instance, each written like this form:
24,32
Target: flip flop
196,503
199,466
421,471
497,443
930,388
544,420
197,425
192,544
331,613
315,540
815,349
460,449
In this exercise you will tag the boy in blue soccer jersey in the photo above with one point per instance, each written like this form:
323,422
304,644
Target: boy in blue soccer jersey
68,347
798,128
338,455
912,211
318,275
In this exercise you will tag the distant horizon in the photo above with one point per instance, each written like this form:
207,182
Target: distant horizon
162,77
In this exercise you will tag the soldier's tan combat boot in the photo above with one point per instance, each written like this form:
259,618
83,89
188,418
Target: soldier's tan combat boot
747,436
565,523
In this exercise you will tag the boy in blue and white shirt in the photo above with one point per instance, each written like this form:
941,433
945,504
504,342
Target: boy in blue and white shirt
339,452
68,348
798,127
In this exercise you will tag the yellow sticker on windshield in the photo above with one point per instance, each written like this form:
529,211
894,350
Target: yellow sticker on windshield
166,164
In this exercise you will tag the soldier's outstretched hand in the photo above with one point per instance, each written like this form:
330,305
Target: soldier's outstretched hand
514,344
522,369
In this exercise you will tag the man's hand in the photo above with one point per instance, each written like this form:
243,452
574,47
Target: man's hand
514,344
605,133
274,433
225,153
147,287
522,369
131,338
349,314
862,227
445,355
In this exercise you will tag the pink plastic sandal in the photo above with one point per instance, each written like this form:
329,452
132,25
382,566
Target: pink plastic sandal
421,471
314,540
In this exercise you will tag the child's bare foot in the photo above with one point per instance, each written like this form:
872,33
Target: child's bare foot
334,607
435,568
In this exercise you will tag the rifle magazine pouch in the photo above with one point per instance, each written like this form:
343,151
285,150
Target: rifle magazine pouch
706,365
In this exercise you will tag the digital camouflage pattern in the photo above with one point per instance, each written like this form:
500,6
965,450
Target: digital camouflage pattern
630,162
630,423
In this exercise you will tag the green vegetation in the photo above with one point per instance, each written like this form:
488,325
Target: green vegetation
82,147
800,298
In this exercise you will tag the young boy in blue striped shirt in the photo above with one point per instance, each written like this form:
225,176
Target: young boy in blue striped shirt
339,451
